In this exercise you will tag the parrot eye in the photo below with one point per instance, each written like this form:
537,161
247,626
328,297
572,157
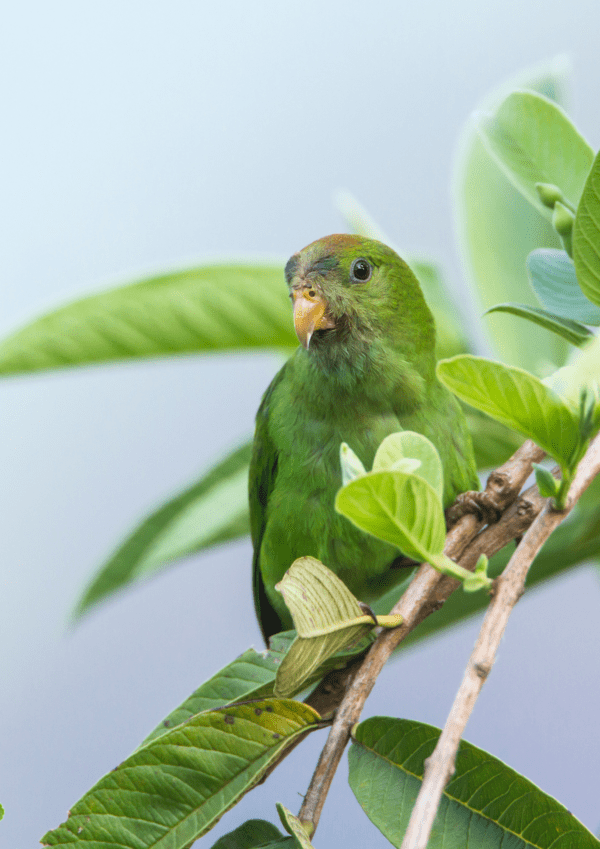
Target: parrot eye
360,271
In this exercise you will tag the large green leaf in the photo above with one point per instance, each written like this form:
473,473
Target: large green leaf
253,834
497,229
554,281
211,511
574,332
175,788
399,508
534,141
515,398
206,308
586,236
485,804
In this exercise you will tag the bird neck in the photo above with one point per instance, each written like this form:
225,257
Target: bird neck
366,371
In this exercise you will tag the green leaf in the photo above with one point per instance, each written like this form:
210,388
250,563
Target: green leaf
547,484
210,511
485,804
401,509
497,229
586,236
206,308
572,331
515,398
174,789
327,618
410,445
534,141
553,278
294,827
252,834
451,335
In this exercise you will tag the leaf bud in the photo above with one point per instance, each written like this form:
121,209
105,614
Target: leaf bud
549,194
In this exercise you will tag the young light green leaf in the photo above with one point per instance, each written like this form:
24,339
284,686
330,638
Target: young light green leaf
554,281
399,508
352,467
294,827
534,141
547,484
206,308
175,788
451,334
253,834
327,618
497,228
485,804
574,332
515,398
586,236
406,445
212,510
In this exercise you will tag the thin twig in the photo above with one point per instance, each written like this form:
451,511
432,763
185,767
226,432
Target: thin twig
426,593
508,589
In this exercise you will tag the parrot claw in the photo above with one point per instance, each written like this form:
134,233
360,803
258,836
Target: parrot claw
483,504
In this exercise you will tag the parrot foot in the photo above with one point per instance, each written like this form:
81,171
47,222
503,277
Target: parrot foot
483,504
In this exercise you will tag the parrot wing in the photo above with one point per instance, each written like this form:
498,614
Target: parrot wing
263,471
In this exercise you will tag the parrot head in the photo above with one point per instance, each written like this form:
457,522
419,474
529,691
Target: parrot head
348,291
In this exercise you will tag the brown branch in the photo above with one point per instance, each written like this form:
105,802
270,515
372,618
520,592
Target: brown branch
426,593
508,589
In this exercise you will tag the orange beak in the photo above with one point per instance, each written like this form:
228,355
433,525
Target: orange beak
310,313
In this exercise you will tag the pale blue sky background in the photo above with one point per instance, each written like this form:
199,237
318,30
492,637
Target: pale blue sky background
140,136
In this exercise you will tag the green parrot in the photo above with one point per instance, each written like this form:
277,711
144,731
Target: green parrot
365,368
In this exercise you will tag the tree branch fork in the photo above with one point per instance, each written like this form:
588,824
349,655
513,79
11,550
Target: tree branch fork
344,693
